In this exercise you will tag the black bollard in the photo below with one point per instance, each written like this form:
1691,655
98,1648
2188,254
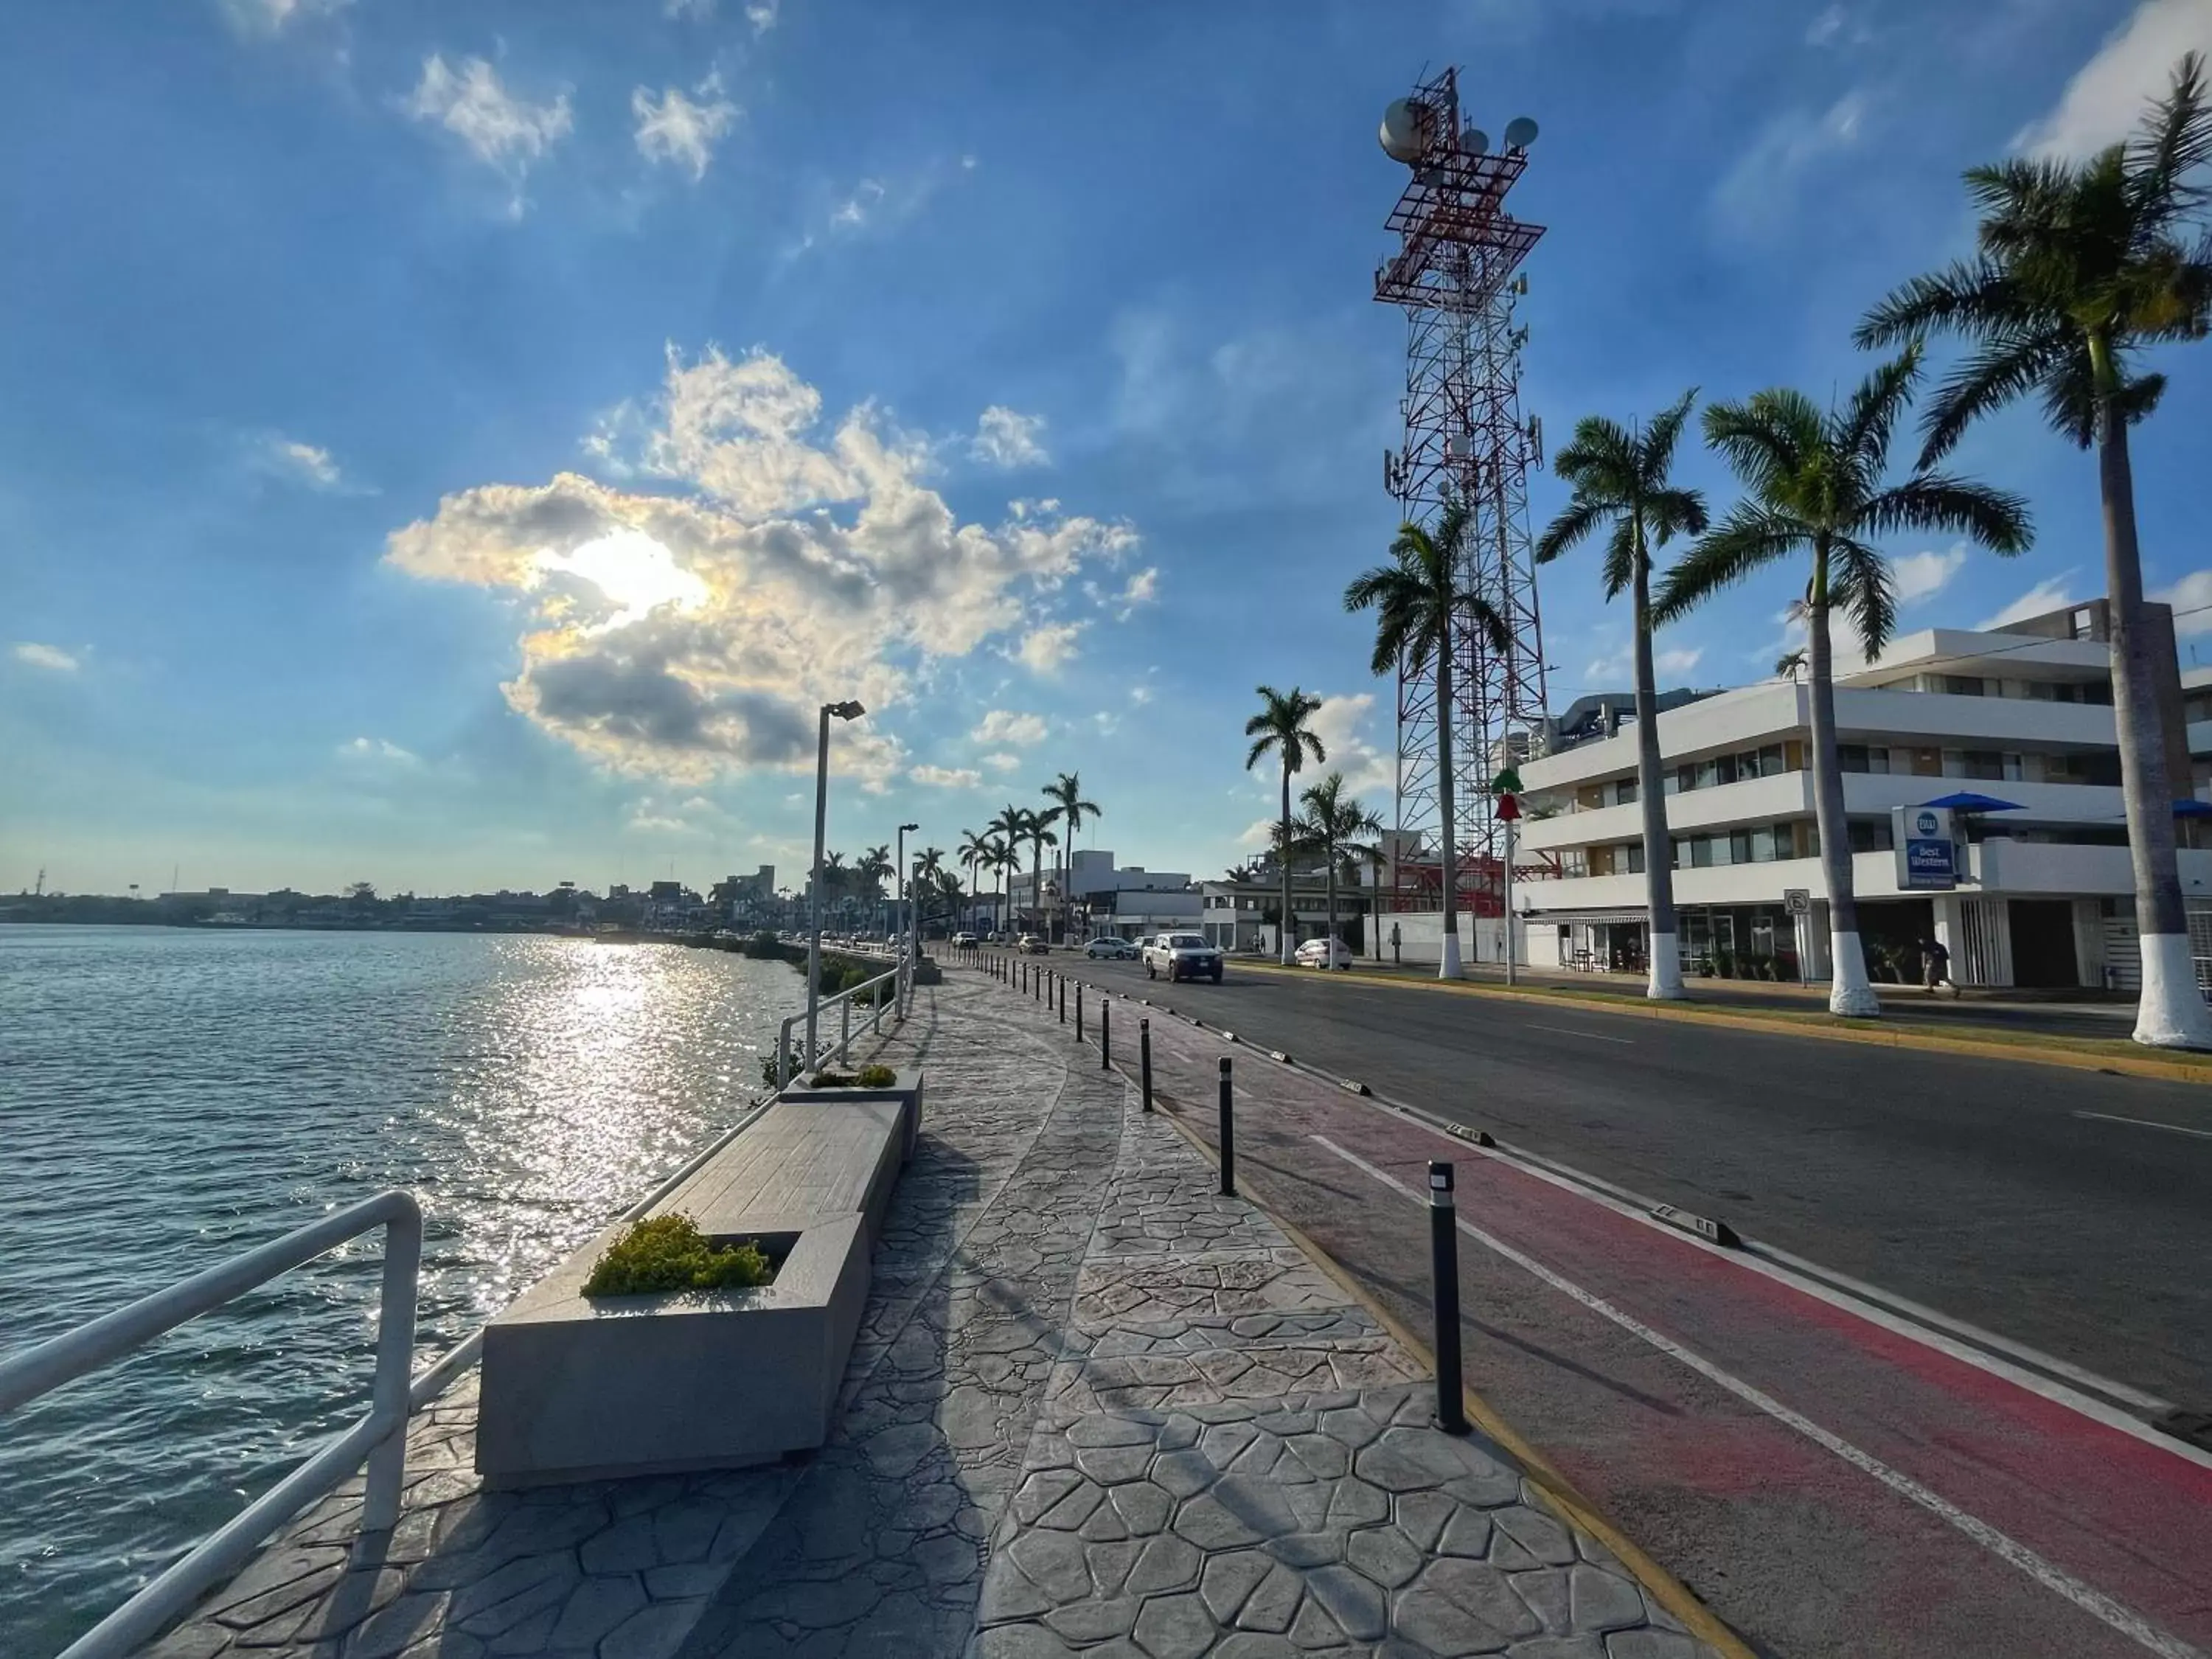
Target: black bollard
1036,988
1228,1136
1078,1011
1145,1057
1063,1001
1105,1034
1443,1252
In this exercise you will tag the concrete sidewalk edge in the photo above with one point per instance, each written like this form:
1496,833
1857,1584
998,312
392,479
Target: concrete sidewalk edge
1548,1480
2082,1060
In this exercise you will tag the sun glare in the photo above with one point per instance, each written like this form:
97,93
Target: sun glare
633,570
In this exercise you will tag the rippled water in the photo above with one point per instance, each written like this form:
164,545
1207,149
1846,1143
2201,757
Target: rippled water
167,1098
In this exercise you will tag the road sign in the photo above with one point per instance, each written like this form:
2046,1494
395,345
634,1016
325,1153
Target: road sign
1797,901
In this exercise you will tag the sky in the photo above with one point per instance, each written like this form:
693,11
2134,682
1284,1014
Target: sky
460,446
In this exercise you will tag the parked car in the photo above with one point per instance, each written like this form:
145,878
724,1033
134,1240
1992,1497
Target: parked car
1032,945
1107,947
1183,956
964,940
1324,953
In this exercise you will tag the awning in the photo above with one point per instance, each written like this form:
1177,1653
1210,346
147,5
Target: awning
1586,918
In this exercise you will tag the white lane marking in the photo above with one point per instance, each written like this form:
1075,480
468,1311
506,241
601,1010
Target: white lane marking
1569,1031
1870,1303
2095,1602
2149,1123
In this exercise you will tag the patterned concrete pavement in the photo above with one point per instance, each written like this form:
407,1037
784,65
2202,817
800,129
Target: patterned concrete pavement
1095,1407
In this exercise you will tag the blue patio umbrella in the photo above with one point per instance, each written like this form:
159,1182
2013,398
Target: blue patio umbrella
2192,808
1967,801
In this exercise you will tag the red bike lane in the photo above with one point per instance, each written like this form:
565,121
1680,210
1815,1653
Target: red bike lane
1829,1483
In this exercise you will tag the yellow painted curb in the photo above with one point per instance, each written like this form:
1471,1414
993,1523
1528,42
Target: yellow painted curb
1550,1483
2080,1060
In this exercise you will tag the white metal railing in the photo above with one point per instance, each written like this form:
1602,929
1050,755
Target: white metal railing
381,1437
898,977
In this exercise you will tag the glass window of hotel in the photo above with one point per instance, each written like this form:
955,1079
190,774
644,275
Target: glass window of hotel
1987,764
1633,859
1963,685
1772,761
1624,793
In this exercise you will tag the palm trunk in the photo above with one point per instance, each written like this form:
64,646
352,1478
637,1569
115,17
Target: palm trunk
1331,850
1286,948
1663,959
2171,1012
1447,962
1849,993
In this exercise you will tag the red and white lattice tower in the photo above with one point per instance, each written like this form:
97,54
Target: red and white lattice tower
1455,275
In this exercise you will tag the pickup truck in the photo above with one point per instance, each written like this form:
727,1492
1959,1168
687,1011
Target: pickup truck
1181,956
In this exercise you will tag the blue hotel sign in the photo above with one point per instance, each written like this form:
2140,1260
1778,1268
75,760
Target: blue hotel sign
1927,857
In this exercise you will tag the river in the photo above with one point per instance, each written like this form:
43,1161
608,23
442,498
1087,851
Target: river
168,1097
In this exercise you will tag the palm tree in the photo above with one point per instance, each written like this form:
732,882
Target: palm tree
975,851
1420,608
2081,266
1280,726
1073,810
1815,485
1035,829
1007,828
1790,664
1007,861
873,867
1620,477
1334,822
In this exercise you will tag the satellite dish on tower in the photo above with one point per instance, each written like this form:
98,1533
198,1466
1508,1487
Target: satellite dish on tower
1474,141
1407,126
1520,132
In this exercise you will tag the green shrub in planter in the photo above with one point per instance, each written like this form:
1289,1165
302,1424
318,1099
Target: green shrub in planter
665,1253
876,1076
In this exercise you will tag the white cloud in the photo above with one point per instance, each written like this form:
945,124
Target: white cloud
2104,100
1141,694
1106,723
1754,193
679,132
1616,670
1051,648
1826,27
302,463
2052,593
1341,723
262,19
380,750
853,212
1923,576
52,657
761,15
692,630
1142,588
2191,599
1259,834
946,777
1004,725
1682,660
1004,438
507,133
1002,761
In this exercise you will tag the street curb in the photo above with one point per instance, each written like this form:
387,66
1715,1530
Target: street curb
1542,1476
1698,1226
2073,1059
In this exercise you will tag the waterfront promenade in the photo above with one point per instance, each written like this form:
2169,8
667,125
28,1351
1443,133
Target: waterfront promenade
1095,1407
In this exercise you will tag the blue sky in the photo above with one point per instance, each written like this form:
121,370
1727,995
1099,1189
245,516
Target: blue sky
458,445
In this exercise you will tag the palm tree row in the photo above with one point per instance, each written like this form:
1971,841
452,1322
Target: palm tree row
2079,266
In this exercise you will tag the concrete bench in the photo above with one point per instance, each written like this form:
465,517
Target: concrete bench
577,1388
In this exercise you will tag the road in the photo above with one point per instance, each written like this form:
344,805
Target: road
1978,1187
1834,1479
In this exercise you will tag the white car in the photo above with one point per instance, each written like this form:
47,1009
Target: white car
962,941
1183,956
1324,953
1107,947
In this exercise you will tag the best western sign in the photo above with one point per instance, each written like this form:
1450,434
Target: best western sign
1927,857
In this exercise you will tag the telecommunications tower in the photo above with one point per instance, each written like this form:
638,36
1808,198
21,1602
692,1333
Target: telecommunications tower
1455,275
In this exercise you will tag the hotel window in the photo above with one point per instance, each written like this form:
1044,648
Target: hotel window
1632,858
1963,685
1624,793
1771,761
1986,765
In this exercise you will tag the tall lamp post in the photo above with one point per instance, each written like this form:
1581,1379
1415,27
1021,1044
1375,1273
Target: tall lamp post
898,909
844,711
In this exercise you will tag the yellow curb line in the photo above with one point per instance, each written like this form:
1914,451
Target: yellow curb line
2075,1058
1550,1483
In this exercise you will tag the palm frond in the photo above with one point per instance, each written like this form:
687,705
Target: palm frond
2009,367
1766,439
1576,520
1864,588
1749,538
1673,512
1935,502
1655,453
1619,568
1871,416
2174,141
1968,296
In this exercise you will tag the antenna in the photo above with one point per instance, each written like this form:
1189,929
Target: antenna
1519,133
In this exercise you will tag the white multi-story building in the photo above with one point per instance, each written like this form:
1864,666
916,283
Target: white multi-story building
2044,889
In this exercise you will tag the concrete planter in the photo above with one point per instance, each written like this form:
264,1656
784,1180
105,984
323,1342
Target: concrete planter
906,1092
580,1388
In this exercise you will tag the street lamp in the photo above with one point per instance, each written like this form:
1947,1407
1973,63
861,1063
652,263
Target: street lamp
844,711
898,909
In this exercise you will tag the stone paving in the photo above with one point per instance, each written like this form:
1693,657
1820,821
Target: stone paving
1094,1408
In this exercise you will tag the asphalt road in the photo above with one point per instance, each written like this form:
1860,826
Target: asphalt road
2015,1195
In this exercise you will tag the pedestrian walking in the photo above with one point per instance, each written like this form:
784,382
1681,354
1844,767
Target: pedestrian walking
1935,966
1395,958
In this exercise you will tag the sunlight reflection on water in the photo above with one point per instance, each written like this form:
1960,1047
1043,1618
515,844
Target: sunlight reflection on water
167,1098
